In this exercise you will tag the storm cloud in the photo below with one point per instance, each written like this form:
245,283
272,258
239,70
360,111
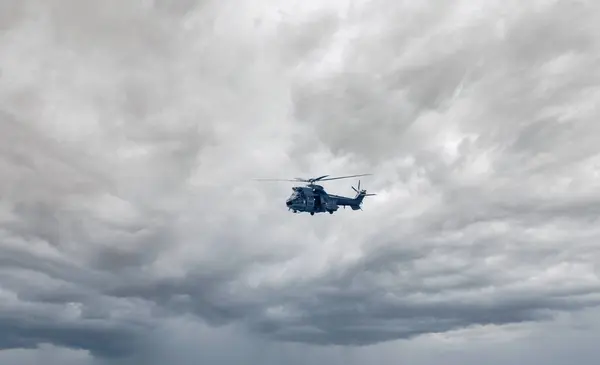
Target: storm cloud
130,133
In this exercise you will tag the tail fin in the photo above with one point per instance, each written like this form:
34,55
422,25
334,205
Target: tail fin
360,196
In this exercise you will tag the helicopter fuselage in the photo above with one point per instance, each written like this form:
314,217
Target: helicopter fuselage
314,199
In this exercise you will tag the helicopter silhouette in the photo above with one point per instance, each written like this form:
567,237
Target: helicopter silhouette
313,198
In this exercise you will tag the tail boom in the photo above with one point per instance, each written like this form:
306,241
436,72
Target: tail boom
353,203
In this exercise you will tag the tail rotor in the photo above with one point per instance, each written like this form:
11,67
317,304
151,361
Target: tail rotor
360,194
355,189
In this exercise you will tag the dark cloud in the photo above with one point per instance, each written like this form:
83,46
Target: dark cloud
105,342
129,134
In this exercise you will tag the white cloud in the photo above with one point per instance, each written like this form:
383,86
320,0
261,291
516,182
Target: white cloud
129,135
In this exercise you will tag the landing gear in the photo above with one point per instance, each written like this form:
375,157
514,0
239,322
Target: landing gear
312,213
330,211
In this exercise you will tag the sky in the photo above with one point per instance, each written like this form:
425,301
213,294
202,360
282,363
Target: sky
132,231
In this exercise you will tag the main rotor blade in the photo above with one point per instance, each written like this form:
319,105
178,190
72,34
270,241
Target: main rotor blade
344,177
293,180
311,179
320,178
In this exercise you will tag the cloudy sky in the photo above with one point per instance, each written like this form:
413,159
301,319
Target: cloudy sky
131,230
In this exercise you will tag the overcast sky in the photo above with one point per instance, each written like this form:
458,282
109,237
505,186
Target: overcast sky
131,231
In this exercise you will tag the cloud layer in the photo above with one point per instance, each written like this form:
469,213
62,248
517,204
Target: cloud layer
129,135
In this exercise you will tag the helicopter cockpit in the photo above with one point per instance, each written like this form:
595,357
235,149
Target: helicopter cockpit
294,199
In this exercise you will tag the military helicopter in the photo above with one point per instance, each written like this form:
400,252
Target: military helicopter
313,198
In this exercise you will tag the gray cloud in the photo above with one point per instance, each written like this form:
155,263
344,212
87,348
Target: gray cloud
129,133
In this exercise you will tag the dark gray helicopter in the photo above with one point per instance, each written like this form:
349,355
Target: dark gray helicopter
313,198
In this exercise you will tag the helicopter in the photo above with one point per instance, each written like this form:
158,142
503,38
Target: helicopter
313,198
